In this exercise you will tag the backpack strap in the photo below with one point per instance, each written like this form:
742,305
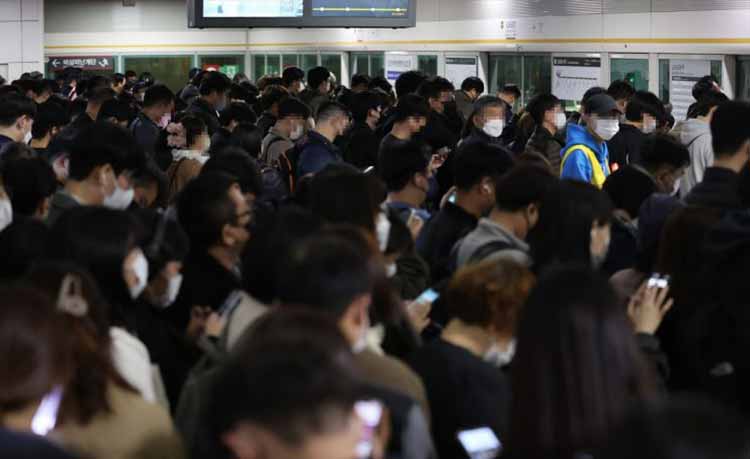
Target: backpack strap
696,138
487,249
598,173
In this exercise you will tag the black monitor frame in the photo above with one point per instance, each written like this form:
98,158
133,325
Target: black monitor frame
197,20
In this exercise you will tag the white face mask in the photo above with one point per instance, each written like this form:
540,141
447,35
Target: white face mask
494,128
598,259
297,132
560,120
606,128
649,126
60,167
140,268
390,270
6,213
676,186
498,357
165,120
361,343
120,199
27,138
173,289
383,230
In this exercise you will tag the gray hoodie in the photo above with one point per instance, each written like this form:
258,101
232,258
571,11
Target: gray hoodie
696,135
489,231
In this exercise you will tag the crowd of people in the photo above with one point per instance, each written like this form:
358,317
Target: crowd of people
291,268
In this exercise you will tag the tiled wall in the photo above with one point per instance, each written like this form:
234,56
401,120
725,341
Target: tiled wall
21,37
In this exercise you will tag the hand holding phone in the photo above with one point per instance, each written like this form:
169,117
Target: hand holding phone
650,304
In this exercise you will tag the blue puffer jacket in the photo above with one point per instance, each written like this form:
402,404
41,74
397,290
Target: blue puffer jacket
578,167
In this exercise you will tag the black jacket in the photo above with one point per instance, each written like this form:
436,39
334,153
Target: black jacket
439,133
266,122
359,146
439,236
625,146
146,132
719,189
207,112
542,143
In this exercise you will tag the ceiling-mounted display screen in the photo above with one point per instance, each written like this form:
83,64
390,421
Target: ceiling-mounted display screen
301,13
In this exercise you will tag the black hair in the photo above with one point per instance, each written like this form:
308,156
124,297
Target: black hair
577,367
273,94
398,165
13,107
661,149
317,76
409,82
341,194
130,74
591,92
238,112
118,78
330,110
325,273
729,128
621,89
115,108
215,82
479,107
28,182
247,137
644,102
50,114
204,207
433,87
411,106
100,95
628,188
360,79
193,126
568,212
524,185
478,160
511,88
149,175
37,87
163,239
362,103
380,82
707,102
704,86
22,245
473,83
103,143
158,94
292,74
236,162
292,106
293,376
541,104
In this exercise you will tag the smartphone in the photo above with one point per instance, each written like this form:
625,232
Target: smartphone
481,443
371,413
369,170
45,417
658,281
428,296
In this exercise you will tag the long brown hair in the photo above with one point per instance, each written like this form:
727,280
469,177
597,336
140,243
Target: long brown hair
88,339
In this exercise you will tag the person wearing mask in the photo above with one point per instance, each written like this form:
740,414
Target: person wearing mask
17,115
438,133
95,99
214,89
233,115
471,89
318,150
664,160
622,92
158,105
585,157
578,369
50,120
503,234
695,134
730,141
30,184
409,117
486,123
318,89
548,115
237,163
269,103
360,83
116,112
573,226
407,175
465,387
477,168
406,85
509,94
643,114
289,128
101,159
293,79
188,161
360,143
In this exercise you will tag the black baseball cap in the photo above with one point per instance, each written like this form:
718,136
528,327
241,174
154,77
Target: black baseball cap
602,105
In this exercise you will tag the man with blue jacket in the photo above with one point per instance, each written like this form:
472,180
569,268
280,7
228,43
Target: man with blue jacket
585,158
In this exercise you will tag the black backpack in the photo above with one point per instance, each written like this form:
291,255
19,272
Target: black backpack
279,177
